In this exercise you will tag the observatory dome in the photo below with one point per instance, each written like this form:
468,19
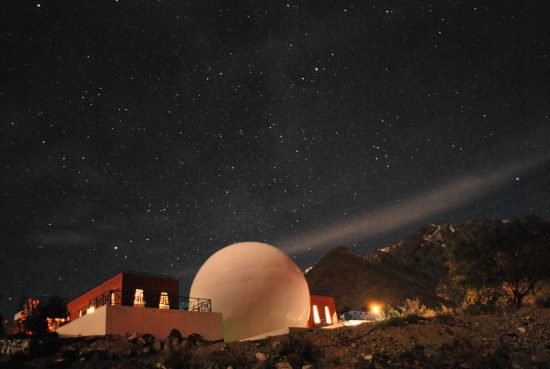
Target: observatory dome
256,287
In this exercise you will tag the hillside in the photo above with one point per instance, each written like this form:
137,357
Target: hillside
411,268
516,340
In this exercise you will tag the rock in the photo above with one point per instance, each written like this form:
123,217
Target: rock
25,345
85,352
367,357
260,365
521,330
175,335
283,365
118,345
278,347
149,338
68,352
541,357
261,356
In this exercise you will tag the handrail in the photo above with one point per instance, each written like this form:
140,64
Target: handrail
117,297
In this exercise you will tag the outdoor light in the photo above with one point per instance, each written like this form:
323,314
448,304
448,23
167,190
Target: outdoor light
375,309
316,317
90,310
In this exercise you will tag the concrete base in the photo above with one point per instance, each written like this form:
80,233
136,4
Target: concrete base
278,332
93,324
117,319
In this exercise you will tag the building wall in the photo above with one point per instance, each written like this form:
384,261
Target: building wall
93,324
127,283
322,302
152,286
82,302
159,322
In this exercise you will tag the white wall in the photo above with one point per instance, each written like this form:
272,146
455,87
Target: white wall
117,319
92,324
159,322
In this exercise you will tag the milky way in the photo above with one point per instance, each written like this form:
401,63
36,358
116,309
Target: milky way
145,135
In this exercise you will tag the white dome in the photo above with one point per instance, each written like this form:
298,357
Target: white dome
256,287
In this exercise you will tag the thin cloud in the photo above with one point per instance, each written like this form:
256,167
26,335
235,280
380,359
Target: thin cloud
437,200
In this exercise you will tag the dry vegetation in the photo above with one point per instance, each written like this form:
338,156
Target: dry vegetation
520,339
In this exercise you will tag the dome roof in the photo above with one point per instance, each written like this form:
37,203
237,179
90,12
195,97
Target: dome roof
256,287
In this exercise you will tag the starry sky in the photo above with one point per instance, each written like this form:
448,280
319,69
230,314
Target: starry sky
145,135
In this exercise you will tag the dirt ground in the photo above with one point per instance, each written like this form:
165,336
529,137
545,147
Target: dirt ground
514,340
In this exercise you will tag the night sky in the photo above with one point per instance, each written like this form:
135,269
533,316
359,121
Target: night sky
146,135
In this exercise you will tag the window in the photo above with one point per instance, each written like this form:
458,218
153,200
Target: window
138,298
113,298
327,315
164,303
316,317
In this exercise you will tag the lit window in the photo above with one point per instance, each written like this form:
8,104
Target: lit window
90,310
327,315
164,303
113,298
138,298
316,318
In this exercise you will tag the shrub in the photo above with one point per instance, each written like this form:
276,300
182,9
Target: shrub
409,307
397,321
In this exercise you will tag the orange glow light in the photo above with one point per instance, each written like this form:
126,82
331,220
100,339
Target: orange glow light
327,315
316,317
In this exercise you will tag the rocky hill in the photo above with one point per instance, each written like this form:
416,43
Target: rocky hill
409,269
510,340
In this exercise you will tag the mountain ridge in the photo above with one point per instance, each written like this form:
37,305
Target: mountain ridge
411,268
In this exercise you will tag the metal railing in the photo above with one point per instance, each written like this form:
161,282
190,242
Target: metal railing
194,304
359,315
118,297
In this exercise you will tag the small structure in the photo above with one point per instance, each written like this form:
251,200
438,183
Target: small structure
133,302
322,311
354,317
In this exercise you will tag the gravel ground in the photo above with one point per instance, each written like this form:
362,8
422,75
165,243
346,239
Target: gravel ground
515,340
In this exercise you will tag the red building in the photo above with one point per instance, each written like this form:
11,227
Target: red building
128,289
143,303
322,311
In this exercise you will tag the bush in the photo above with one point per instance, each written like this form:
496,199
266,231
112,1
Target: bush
409,307
397,321
36,322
